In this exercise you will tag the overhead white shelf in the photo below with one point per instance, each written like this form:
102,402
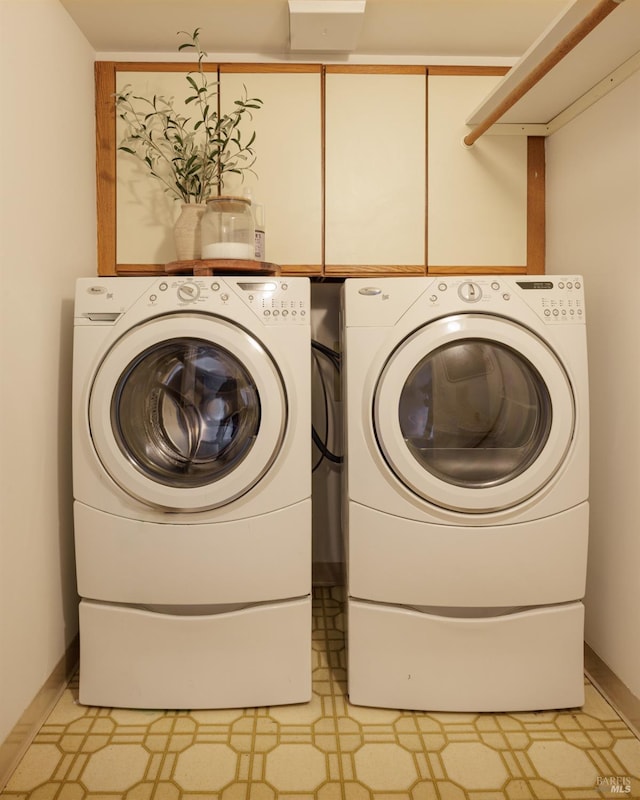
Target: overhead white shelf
598,63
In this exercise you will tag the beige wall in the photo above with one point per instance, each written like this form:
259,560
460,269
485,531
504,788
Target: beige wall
47,210
593,210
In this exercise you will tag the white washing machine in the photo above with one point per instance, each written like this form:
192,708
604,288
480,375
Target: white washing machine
192,489
466,491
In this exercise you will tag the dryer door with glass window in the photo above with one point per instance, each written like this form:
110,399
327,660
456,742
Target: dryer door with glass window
187,412
474,413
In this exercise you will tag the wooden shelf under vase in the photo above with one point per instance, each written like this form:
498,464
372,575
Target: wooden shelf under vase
221,266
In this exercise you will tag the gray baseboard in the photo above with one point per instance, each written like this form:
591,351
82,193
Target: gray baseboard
32,719
613,690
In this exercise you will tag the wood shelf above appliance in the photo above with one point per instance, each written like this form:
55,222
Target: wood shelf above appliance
221,266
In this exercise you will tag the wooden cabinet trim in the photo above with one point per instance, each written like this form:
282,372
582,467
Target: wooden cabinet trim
536,222
271,68
453,70
373,69
105,80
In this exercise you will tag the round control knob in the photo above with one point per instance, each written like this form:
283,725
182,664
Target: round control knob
188,292
469,292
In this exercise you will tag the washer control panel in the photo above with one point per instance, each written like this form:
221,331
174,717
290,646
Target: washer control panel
277,301
273,300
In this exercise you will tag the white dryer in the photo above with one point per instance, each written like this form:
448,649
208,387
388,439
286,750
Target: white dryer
466,491
192,489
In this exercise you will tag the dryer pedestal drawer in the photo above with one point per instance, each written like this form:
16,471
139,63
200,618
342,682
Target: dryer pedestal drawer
255,656
521,661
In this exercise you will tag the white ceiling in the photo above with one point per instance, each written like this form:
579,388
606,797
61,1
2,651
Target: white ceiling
469,31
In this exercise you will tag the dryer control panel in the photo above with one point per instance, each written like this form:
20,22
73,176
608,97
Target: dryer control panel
558,299
555,299
375,302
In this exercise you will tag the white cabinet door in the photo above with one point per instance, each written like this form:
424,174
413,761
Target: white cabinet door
477,197
288,147
145,212
375,169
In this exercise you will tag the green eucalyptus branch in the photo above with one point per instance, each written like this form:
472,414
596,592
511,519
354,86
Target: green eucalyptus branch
189,156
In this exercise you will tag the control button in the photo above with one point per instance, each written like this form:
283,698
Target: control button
188,291
266,312
153,297
215,286
276,313
285,313
495,286
506,296
294,313
555,312
547,313
224,297
163,286
578,285
442,287
561,285
470,292
579,312
284,286
433,298
569,285
303,313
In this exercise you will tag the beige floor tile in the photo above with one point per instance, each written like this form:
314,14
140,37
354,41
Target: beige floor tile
37,766
115,768
205,767
296,768
474,765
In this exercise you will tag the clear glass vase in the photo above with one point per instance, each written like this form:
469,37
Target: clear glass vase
227,229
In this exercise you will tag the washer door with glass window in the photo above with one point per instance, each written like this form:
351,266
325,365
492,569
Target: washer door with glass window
187,412
474,413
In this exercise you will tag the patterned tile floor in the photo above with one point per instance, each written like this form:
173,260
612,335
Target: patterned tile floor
328,749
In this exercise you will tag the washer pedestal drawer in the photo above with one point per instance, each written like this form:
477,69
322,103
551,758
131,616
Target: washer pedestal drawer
525,660
131,657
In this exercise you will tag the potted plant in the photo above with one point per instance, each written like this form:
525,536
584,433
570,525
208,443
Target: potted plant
188,155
